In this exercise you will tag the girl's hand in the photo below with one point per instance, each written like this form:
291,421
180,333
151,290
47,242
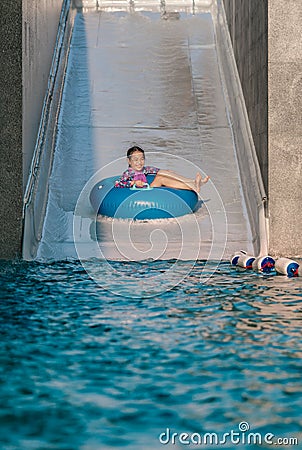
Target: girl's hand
139,183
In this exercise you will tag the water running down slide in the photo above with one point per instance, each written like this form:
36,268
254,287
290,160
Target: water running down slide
134,78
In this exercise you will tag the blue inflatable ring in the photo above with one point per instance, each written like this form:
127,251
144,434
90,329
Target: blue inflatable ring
141,204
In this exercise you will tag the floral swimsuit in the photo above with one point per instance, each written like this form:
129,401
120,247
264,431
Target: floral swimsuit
132,175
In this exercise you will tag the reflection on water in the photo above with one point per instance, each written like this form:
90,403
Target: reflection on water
83,368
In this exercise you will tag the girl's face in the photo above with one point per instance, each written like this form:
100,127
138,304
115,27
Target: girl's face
136,161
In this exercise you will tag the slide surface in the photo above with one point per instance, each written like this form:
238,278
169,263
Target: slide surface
154,80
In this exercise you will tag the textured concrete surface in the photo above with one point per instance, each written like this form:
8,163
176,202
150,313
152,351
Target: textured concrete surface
285,126
10,128
247,22
22,90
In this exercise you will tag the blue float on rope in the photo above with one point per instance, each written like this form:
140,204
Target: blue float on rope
141,204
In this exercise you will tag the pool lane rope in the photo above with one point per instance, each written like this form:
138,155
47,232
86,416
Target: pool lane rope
266,264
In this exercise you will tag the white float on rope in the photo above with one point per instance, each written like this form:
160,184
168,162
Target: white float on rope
286,266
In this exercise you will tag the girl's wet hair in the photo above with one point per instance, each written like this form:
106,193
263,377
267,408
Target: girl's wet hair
133,150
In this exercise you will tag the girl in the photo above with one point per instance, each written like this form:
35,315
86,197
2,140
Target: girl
137,171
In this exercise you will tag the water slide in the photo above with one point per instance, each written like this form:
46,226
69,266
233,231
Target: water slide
160,75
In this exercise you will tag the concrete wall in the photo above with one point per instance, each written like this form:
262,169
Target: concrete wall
267,38
285,126
11,190
247,21
35,22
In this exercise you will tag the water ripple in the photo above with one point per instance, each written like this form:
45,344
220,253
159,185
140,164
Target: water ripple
84,369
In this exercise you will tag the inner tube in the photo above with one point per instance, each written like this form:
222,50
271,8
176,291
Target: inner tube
141,204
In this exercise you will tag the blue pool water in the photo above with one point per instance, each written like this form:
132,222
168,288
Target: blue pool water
84,368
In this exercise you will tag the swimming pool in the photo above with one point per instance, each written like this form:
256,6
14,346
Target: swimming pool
84,368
